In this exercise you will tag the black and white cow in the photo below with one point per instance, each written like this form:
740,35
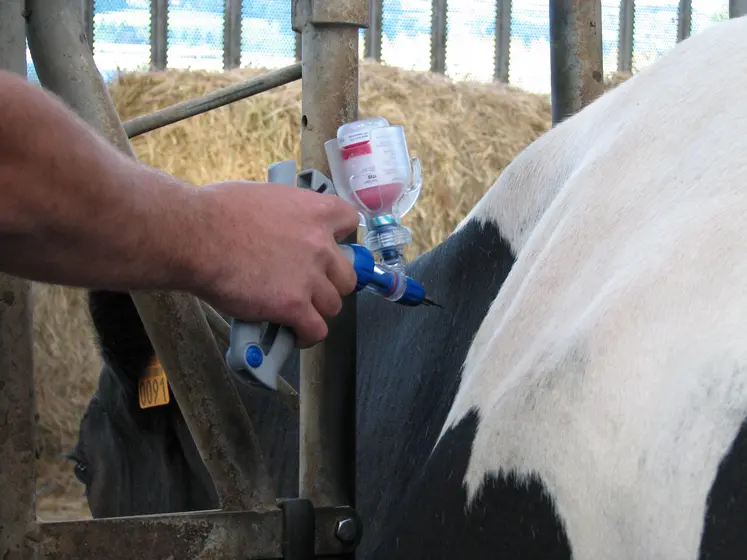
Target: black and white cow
583,395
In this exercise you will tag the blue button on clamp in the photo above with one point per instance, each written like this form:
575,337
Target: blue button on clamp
254,356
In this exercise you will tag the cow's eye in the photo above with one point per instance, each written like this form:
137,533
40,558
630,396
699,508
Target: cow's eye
82,469
82,473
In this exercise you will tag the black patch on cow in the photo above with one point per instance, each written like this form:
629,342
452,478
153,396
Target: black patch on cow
409,368
508,518
136,461
725,528
147,458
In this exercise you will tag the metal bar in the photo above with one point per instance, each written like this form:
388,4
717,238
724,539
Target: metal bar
17,408
89,9
575,55
213,100
329,99
625,37
222,332
438,36
13,37
159,32
208,400
232,35
218,325
737,8
684,18
205,535
502,39
17,402
373,33
298,47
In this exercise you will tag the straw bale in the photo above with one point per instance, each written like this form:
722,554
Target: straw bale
464,134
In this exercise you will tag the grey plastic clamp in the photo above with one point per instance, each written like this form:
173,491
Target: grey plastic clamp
246,354
316,181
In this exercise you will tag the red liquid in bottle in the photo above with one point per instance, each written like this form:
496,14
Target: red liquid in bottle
380,198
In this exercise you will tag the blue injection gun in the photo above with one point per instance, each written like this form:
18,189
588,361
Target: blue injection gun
258,351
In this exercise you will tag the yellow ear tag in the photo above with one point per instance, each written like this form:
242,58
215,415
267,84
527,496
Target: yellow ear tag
153,386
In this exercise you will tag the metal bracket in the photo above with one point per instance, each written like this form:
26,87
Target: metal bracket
330,12
299,528
294,530
257,353
316,181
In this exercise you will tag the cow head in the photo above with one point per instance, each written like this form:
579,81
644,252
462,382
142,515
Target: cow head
137,461
133,461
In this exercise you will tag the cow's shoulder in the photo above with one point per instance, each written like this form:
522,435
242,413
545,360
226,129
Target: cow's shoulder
609,368
409,364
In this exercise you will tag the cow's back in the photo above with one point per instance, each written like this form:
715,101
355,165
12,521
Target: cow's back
610,374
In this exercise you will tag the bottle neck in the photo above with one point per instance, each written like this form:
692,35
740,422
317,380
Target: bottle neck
387,241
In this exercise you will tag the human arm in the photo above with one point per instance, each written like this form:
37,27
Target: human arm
76,211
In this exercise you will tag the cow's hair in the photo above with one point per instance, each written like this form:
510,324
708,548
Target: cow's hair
622,322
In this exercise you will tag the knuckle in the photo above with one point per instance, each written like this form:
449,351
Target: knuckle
320,332
326,205
349,282
321,245
293,303
335,306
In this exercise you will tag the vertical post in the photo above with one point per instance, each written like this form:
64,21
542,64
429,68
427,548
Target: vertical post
373,33
232,35
625,37
575,55
175,323
329,98
684,17
89,9
298,47
502,39
737,8
159,29
17,403
438,36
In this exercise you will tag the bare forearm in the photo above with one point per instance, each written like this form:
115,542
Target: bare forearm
75,211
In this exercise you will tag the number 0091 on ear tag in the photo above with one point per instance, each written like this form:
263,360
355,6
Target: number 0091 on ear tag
153,386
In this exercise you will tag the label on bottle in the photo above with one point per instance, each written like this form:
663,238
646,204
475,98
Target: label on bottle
357,137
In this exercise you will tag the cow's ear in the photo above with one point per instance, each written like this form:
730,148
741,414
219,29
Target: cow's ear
123,342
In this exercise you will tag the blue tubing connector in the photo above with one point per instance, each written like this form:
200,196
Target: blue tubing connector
389,283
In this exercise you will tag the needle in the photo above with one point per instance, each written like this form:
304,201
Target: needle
427,301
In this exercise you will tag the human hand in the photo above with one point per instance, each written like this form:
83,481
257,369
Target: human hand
269,253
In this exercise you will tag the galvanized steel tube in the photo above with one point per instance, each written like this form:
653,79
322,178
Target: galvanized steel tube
213,100
684,19
17,403
737,8
159,32
502,40
175,322
575,55
232,34
625,36
373,33
329,99
439,16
